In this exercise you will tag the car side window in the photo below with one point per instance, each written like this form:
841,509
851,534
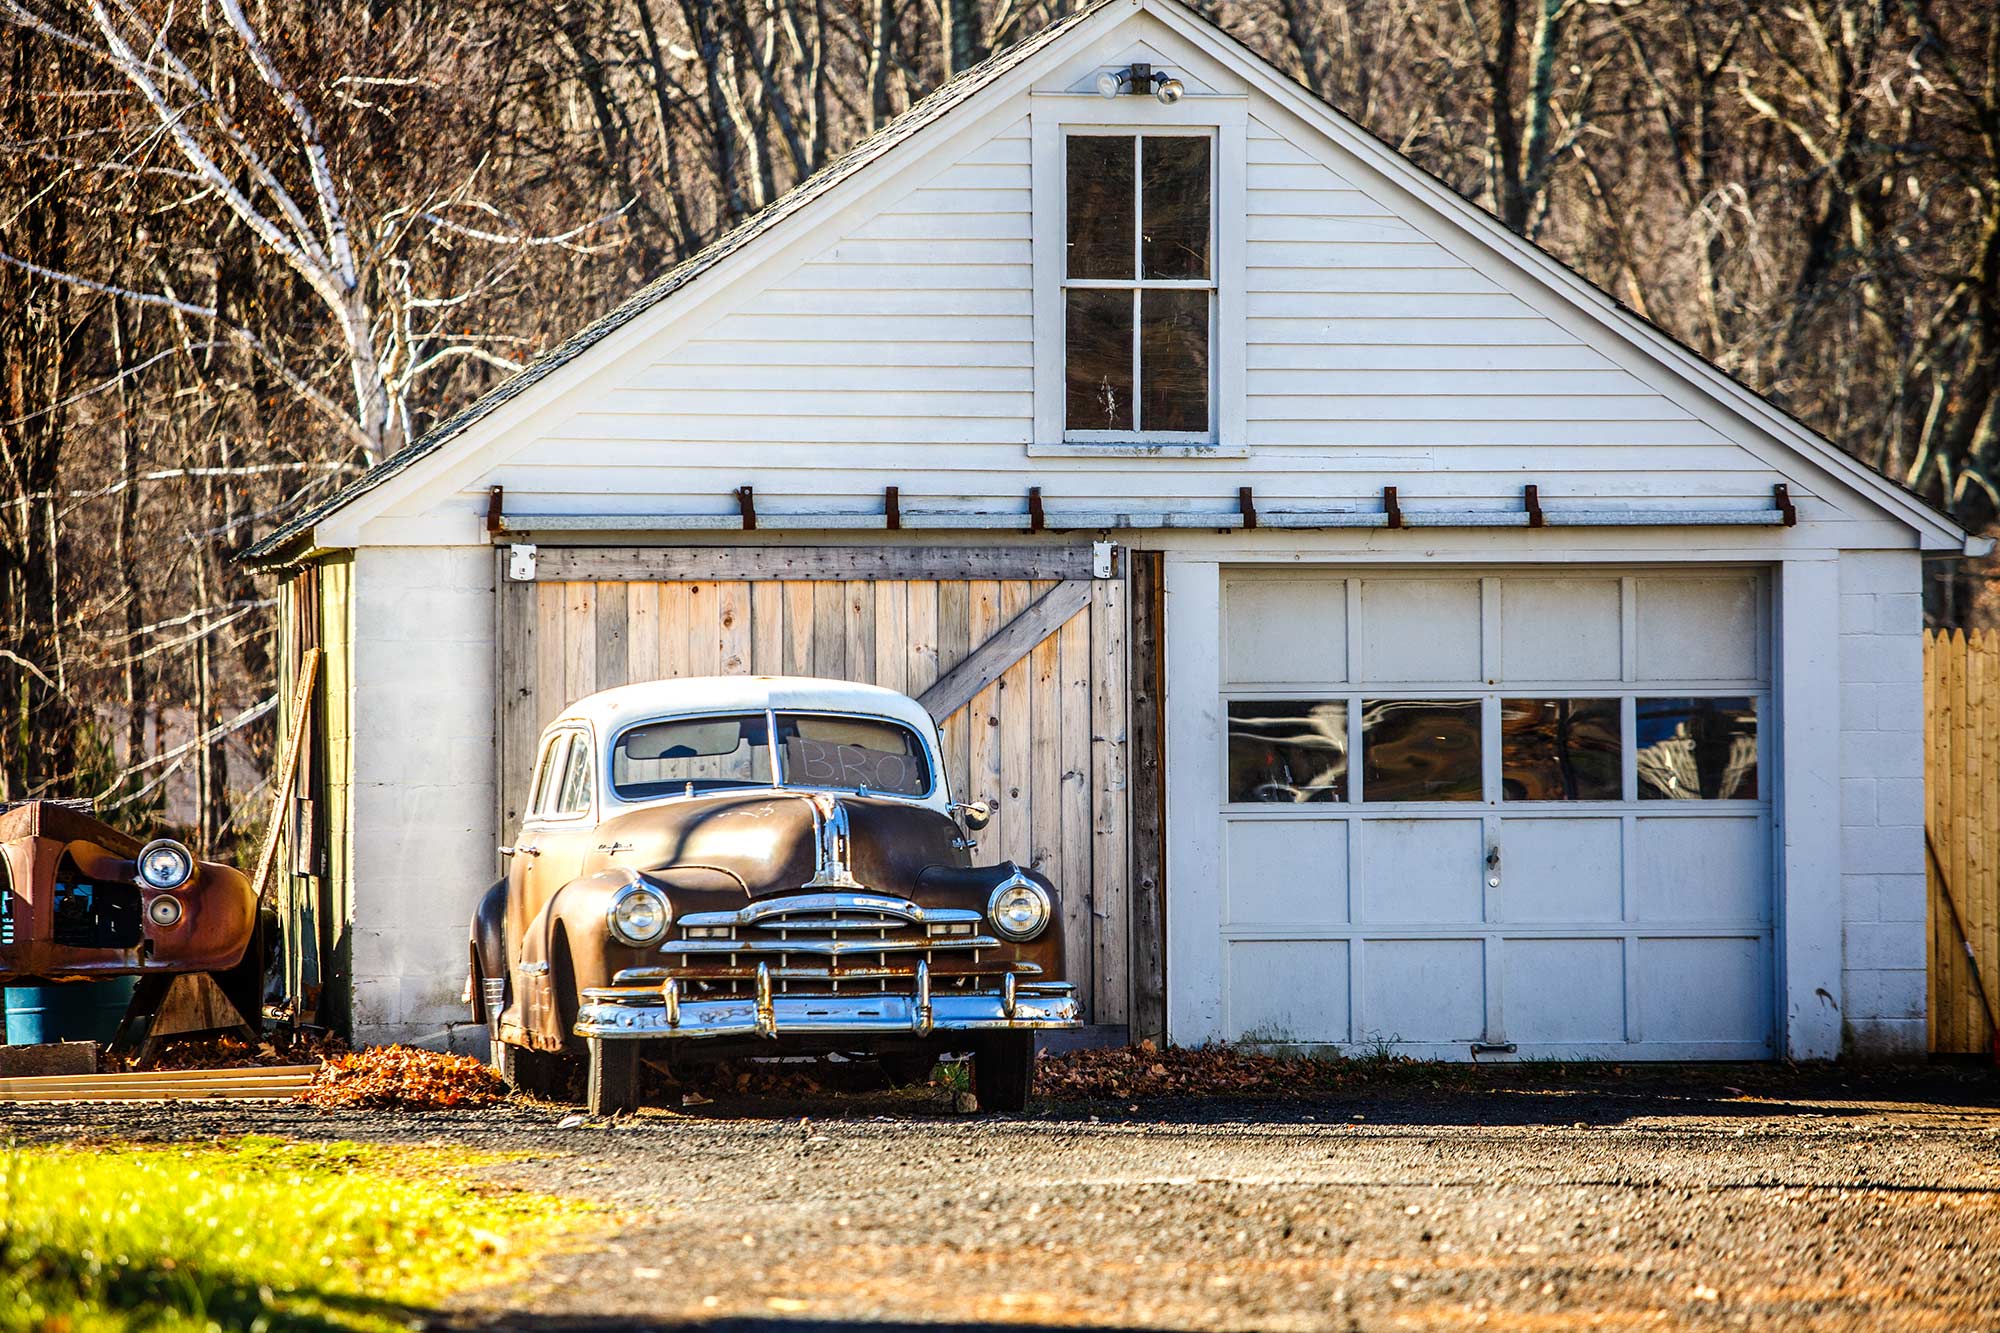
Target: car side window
576,778
547,774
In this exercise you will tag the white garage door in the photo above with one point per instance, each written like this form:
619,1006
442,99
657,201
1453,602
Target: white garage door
1516,814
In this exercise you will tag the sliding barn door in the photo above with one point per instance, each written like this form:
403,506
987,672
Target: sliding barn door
1019,652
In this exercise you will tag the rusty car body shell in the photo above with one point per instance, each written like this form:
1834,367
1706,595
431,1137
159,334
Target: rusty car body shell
545,968
73,907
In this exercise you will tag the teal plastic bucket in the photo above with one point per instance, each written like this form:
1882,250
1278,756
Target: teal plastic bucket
67,1011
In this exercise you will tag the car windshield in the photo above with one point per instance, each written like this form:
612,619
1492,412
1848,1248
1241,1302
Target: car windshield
678,755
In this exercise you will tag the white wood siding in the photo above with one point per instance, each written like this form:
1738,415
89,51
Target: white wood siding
901,354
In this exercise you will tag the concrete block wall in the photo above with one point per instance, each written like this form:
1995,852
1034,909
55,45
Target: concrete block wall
424,750
1884,945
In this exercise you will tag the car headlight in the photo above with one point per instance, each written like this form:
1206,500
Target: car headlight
639,914
164,911
1019,908
165,864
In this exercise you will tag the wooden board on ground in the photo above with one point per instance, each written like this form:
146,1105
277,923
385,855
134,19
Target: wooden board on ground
262,1083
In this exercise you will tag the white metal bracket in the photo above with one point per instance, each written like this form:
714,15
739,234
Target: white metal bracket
521,562
1100,559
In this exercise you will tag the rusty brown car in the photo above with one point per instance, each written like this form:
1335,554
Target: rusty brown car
81,899
724,866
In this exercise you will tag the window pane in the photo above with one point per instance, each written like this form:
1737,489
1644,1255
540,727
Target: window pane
656,759
1697,749
1175,188
1287,751
1173,361
1098,335
1100,206
546,777
854,754
576,779
1559,750
1420,750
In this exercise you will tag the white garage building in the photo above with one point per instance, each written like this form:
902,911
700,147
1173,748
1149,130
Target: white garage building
1384,636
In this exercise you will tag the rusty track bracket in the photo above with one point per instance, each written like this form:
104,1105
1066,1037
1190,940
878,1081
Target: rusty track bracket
1247,502
1391,508
746,500
1532,497
494,495
1037,520
1781,495
892,507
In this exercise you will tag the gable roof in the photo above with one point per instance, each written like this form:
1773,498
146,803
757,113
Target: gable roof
288,540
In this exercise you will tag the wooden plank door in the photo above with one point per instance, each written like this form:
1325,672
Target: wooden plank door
1044,742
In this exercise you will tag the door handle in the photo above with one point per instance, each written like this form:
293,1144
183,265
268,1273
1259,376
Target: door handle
521,851
613,848
1493,866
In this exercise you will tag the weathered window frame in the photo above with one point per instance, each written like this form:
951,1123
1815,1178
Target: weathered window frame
1054,117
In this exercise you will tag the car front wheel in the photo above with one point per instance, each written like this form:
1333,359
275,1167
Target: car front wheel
1003,1070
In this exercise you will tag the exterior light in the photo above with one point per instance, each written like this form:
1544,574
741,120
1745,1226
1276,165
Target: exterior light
165,864
1138,79
1019,908
164,911
638,915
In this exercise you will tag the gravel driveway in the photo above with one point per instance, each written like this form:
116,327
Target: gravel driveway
1706,1197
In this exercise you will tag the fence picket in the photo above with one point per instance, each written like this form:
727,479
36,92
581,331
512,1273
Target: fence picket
1962,808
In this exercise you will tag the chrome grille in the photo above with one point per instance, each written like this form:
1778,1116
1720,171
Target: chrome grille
824,943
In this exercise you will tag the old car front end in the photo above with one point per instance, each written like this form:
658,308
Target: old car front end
974,949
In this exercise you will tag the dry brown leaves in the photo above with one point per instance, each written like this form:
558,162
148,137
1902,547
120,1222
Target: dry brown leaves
231,1053
404,1078
1134,1073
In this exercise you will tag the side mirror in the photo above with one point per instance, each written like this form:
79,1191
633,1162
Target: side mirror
976,814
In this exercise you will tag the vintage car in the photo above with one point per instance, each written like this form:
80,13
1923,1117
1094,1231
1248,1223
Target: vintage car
81,899
721,866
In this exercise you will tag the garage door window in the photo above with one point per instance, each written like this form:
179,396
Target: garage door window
1420,750
1560,750
1285,751
1697,749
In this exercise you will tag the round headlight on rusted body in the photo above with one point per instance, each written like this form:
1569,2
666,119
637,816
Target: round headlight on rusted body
165,864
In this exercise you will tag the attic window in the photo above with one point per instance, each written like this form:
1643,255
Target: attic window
1138,287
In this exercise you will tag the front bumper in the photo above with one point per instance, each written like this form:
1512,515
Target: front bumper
654,1012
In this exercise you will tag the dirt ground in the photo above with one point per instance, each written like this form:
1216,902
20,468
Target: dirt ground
1699,1197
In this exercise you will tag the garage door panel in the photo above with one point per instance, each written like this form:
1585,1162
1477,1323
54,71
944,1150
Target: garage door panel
1423,991
1415,631
1560,630
1698,629
1421,872
1289,991
1563,870
1701,869
1704,990
1563,990
1286,870
1284,631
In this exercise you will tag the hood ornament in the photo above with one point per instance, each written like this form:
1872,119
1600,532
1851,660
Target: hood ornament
830,845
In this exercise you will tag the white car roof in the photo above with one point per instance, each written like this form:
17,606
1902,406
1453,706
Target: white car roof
609,711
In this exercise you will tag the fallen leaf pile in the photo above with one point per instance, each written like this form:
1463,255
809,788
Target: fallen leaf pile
1146,1071
403,1078
305,1048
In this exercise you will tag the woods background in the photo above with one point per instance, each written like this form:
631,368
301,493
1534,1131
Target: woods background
246,249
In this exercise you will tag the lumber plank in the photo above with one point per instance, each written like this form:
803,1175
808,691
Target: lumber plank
1147,722
1110,829
1005,645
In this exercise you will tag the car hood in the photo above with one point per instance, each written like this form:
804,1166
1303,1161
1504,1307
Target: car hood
770,842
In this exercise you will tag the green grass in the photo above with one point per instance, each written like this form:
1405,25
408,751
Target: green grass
254,1233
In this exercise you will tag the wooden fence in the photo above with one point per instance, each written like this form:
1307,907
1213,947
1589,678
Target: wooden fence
1962,830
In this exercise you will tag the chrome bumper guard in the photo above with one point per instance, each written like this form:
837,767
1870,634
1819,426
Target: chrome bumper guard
652,1012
